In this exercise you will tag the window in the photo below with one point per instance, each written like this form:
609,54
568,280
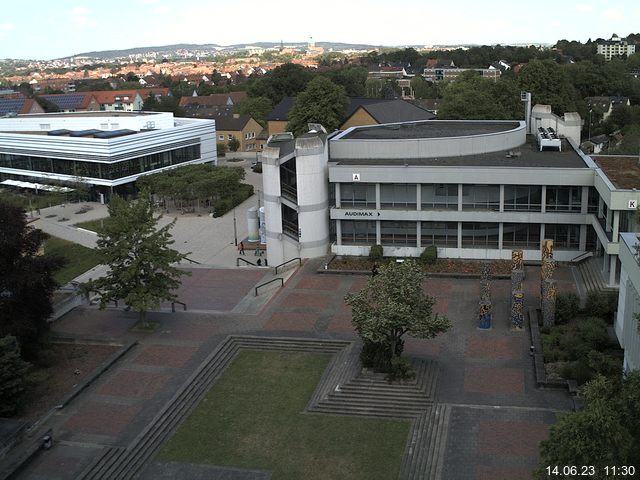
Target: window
481,197
564,199
440,234
521,235
439,196
358,195
358,232
45,126
563,236
399,196
480,235
398,233
229,137
221,137
522,198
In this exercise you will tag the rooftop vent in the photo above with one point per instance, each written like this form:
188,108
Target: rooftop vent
548,138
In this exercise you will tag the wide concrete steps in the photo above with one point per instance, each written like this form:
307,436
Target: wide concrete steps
424,454
371,394
119,464
591,274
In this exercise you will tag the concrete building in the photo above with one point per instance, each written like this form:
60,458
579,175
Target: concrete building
475,189
626,324
108,151
615,47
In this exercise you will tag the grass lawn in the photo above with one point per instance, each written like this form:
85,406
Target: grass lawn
79,258
252,418
93,225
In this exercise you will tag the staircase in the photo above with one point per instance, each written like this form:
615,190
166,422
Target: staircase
591,274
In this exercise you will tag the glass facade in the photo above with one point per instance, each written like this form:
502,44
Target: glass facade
358,195
563,236
523,235
440,234
480,235
564,199
522,198
358,232
398,233
102,170
400,196
481,197
439,196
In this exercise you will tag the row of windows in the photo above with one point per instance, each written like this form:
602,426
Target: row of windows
107,171
525,198
445,234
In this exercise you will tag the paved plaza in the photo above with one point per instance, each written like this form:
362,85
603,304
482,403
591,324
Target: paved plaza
498,416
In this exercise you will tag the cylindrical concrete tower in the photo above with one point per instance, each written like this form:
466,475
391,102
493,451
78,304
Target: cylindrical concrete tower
253,225
272,208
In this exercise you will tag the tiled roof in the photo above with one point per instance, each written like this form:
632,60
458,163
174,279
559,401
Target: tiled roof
217,99
70,101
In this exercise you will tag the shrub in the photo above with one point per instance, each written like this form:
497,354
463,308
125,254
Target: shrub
222,149
567,306
400,369
593,332
604,363
376,355
578,371
376,253
429,255
602,304
13,371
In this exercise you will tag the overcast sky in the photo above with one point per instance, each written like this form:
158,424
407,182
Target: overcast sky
45,29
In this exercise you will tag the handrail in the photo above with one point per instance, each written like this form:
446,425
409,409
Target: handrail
289,261
173,305
581,257
192,261
270,281
245,261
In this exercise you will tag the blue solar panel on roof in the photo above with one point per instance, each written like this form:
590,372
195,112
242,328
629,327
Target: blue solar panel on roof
65,102
114,133
59,132
84,133
11,106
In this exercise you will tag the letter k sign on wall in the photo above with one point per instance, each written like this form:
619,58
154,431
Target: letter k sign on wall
356,177
633,204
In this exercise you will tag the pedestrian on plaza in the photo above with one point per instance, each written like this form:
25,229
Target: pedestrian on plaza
374,270
257,252
259,262
241,248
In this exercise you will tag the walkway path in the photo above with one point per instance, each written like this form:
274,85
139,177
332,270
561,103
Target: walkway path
495,418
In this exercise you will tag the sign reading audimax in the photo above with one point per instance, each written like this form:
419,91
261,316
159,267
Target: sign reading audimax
361,213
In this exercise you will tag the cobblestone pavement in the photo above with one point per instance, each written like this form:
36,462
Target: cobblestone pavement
498,415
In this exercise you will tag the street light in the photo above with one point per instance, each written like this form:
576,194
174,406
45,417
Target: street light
590,111
235,229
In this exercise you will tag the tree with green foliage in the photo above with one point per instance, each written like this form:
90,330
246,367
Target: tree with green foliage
472,97
27,282
287,80
233,144
605,433
142,264
13,370
352,78
549,84
321,102
392,304
256,107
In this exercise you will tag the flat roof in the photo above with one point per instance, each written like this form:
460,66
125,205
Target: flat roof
527,155
622,170
101,113
429,129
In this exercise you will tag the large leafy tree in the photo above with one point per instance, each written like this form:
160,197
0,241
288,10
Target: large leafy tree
322,102
142,266
605,433
549,84
394,303
286,80
256,107
26,281
12,376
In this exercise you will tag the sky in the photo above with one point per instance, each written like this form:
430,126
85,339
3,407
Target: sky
47,29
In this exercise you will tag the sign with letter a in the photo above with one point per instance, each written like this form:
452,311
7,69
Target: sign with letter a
356,177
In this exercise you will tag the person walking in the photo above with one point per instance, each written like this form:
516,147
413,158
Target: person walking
241,249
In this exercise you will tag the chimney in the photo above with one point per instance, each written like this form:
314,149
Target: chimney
236,115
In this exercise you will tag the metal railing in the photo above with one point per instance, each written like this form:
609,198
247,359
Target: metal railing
289,261
192,261
245,261
173,305
581,257
270,281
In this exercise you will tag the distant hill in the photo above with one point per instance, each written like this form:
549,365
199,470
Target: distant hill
170,50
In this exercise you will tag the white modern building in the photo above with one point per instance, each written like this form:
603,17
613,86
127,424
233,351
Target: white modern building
107,150
615,47
626,325
475,189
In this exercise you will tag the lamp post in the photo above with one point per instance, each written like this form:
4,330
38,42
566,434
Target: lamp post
590,111
235,229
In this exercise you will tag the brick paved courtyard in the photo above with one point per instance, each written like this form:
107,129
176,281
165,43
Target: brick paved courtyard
498,415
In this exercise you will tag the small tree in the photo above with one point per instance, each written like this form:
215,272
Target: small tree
322,102
142,271
429,255
393,304
234,144
12,376
376,253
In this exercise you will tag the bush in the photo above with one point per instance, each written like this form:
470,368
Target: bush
604,363
13,371
222,149
429,255
602,305
376,355
567,306
376,253
400,369
578,371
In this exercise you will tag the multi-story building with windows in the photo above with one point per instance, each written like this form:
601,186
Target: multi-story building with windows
615,47
475,189
108,151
